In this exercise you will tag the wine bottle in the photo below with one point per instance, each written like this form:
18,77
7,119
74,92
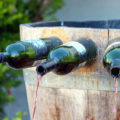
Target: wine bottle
67,57
111,59
24,53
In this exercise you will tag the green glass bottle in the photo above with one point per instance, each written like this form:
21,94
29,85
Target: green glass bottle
24,53
67,57
111,59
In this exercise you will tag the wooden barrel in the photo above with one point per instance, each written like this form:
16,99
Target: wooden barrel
85,94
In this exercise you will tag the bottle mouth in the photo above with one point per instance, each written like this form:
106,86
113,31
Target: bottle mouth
115,72
41,70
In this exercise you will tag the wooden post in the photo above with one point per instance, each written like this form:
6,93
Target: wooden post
85,94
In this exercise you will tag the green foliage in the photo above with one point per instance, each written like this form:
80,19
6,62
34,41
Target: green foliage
8,79
19,116
13,13
49,11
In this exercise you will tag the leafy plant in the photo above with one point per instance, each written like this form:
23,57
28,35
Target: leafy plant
19,116
13,13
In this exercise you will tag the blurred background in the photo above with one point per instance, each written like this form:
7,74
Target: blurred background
13,100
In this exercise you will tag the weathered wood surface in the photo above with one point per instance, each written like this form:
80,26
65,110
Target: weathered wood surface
58,102
72,104
72,80
87,77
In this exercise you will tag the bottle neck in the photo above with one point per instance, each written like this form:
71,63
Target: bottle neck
47,66
2,57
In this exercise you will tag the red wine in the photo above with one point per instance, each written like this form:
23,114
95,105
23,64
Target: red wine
115,84
39,77
114,109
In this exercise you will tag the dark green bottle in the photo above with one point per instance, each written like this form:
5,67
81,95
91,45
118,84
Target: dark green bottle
65,58
24,53
111,59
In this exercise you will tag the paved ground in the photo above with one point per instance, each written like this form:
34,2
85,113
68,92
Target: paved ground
20,104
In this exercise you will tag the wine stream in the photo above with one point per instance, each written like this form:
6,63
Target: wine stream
114,109
39,77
